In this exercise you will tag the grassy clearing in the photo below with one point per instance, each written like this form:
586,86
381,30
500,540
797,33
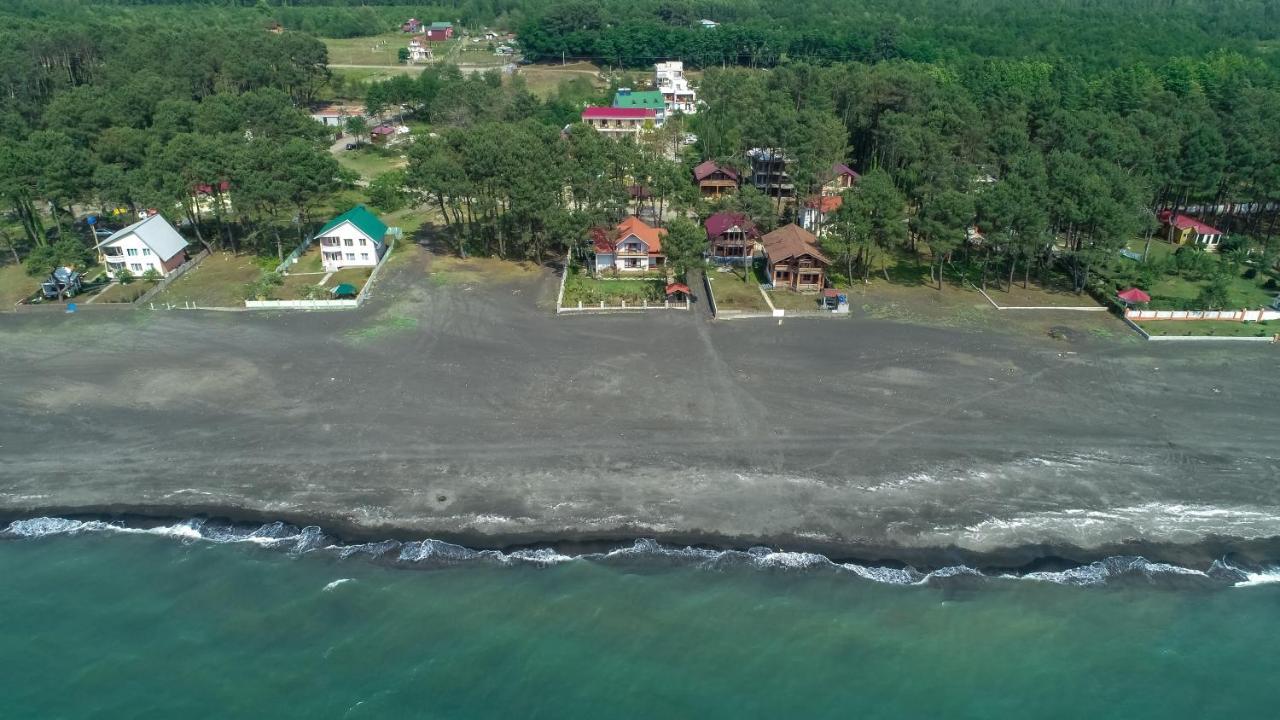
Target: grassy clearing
15,284
220,280
375,50
1055,294
308,262
451,270
388,323
1215,328
732,293
798,302
117,293
590,291
543,80
370,161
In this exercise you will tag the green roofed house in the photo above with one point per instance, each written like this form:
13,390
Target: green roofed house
353,239
646,99
438,31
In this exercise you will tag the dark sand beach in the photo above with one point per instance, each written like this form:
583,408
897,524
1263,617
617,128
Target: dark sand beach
465,410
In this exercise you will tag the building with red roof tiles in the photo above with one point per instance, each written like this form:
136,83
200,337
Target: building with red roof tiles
620,121
1181,229
631,246
731,236
715,179
817,210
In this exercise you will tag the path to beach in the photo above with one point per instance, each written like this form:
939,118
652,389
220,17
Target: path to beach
467,411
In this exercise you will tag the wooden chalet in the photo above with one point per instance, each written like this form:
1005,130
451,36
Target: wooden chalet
794,260
731,236
715,180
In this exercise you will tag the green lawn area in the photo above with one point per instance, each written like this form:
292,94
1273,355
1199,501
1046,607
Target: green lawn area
117,293
1218,328
791,300
295,286
370,161
734,294
15,284
582,288
543,80
373,50
308,262
220,280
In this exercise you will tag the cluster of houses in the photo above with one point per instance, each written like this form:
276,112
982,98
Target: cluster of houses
791,254
634,111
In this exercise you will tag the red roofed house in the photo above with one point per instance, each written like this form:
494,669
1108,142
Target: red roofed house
732,236
1185,230
632,246
714,179
817,211
412,25
440,31
617,122
794,260
842,178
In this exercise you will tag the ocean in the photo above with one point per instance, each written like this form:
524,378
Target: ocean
198,619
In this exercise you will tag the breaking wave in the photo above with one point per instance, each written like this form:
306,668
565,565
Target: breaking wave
430,553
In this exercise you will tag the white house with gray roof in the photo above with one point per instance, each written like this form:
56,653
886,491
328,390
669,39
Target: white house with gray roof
150,243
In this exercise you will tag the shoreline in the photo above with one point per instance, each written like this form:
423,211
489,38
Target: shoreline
1244,554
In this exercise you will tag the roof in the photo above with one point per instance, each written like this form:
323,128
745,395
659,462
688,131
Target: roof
617,113
678,287
206,188
791,241
825,203
706,169
363,220
643,99
1134,295
441,25
831,292
841,169
344,289
155,232
1183,222
718,223
383,130
650,235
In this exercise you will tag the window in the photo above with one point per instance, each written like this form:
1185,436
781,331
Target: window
136,267
132,252
146,252
363,242
351,256
348,242
364,256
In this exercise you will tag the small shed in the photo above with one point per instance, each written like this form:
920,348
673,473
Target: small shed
345,290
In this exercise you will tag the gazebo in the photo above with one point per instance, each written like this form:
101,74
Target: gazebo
1134,296
678,292
345,290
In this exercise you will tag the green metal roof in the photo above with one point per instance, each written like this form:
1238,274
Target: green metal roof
441,25
651,99
344,289
365,221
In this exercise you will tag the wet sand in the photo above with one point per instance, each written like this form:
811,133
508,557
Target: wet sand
466,411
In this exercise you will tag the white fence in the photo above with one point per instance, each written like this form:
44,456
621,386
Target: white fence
302,304
624,307
1230,315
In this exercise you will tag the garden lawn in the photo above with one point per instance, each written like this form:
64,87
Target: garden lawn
795,301
1218,328
15,284
117,293
308,262
543,80
220,280
591,291
370,162
375,50
734,294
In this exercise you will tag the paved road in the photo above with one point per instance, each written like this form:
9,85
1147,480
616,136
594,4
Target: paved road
466,410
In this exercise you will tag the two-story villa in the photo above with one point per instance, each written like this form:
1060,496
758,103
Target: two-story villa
632,246
149,244
620,121
671,82
794,260
353,239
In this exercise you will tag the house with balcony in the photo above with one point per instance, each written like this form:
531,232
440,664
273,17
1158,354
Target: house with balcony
619,122
793,259
731,237
356,238
149,244
632,246
669,78
419,50
769,172
715,179
650,99
1179,229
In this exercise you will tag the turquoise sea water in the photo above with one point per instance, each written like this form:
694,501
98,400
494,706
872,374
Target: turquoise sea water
112,625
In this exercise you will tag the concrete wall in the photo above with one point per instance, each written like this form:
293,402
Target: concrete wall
1236,315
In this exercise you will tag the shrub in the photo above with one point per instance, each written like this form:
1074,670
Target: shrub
152,275
123,276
